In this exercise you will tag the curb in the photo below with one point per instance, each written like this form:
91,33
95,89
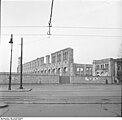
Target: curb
2,105
16,90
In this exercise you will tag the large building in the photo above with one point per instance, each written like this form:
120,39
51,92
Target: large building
56,64
62,63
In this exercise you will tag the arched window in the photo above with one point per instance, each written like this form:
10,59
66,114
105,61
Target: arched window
65,69
53,71
78,69
49,71
81,69
59,70
45,71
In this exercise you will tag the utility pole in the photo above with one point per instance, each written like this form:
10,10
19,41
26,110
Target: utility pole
11,42
50,24
21,63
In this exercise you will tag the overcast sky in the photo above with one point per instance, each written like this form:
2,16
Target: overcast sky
93,28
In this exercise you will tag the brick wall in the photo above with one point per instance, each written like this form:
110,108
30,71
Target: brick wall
28,78
79,79
40,79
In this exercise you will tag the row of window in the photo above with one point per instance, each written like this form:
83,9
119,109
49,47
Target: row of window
79,69
102,66
82,69
33,64
65,69
65,57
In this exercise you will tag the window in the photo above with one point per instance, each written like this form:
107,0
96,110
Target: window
81,69
59,58
87,69
119,68
38,63
53,59
65,55
102,66
106,66
53,71
65,69
42,62
97,66
58,70
45,71
49,71
78,69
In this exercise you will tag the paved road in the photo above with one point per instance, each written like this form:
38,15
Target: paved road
63,100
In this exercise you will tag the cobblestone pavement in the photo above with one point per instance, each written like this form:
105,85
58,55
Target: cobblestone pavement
62,100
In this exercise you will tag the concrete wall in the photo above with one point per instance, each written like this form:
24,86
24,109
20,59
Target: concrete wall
28,78
79,79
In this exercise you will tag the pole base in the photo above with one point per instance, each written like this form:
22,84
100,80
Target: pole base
21,87
9,88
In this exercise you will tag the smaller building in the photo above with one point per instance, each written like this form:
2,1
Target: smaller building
108,67
82,69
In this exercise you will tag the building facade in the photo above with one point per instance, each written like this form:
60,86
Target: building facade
108,67
62,63
56,64
82,69
59,63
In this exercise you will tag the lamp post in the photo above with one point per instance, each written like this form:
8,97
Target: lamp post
21,67
11,42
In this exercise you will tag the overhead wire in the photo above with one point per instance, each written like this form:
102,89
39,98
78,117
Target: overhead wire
36,40
24,34
72,27
78,35
63,35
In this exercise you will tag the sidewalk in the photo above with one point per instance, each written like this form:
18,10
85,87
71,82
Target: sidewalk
2,105
15,90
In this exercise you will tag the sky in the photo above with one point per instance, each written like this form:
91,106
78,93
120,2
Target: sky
92,28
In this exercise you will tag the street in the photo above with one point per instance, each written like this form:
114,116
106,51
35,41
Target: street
62,100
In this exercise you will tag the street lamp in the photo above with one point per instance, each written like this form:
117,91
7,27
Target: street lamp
11,42
21,67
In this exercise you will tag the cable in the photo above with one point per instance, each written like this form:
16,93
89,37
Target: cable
61,35
23,26
26,43
84,35
72,27
83,27
24,34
